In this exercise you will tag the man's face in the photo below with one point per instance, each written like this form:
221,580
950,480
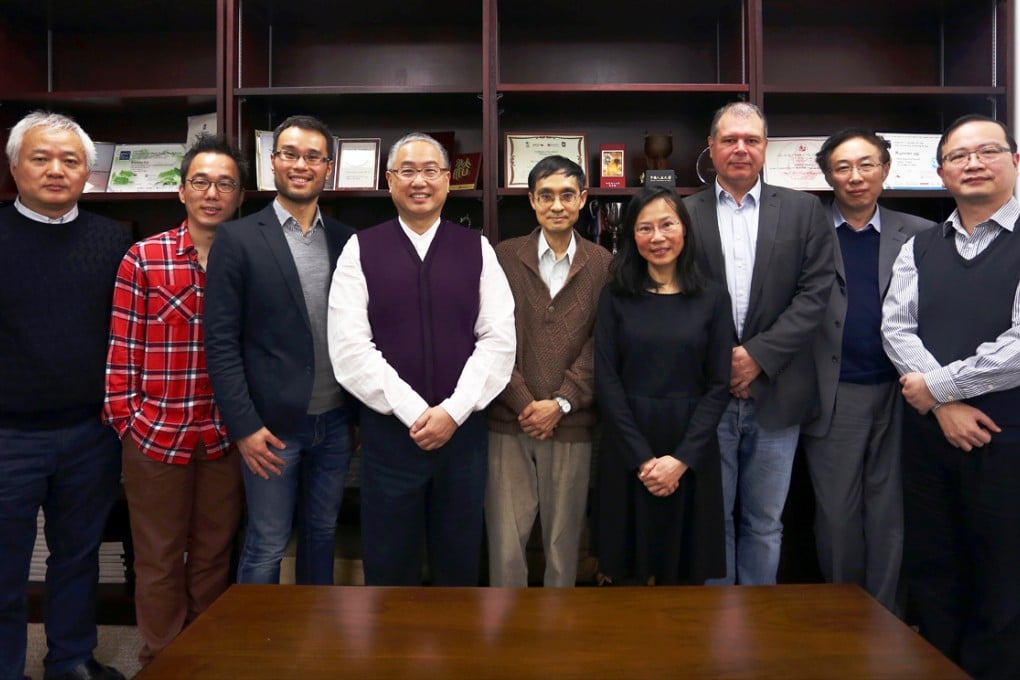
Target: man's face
856,174
738,150
298,180
418,199
978,181
209,207
50,173
557,201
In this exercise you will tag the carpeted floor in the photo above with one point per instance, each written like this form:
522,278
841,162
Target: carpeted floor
118,647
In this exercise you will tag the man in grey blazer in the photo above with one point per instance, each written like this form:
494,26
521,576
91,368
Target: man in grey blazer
853,446
773,248
265,344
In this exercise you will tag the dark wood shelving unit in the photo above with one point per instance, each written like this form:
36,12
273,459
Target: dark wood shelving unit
133,70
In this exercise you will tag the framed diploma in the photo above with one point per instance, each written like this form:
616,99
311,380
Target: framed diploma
790,162
146,167
525,149
357,163
913,161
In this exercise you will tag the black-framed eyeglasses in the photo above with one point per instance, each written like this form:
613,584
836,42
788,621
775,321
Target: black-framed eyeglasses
312,159
224,186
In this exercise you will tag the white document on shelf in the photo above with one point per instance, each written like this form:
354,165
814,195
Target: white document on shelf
146,167
99,176
203,124
264,160
913,161
790,162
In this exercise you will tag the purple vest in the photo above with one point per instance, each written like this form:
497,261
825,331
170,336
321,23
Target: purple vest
423,313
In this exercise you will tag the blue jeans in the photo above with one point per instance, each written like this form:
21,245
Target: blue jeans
72,473
311,485
757,463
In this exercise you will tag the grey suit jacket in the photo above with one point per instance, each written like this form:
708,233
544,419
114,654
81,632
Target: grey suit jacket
897,229
258,337
790,285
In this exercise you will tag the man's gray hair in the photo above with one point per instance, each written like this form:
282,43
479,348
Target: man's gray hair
51,121
415,137
740,110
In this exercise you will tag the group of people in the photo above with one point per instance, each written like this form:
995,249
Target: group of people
240,362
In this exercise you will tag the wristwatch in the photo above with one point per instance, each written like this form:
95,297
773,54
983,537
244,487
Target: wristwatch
564,405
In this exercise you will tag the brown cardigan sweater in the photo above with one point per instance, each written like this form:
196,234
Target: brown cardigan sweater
554,336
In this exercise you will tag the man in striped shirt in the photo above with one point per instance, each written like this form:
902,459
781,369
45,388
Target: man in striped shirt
951,326
181,478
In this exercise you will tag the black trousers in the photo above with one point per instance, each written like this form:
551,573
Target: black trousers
962,545
412,499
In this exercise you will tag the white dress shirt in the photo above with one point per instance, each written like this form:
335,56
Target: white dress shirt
554,272
361,368
70,215
995,365
738,232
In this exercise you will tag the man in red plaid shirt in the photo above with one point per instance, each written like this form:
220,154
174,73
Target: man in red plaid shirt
181,477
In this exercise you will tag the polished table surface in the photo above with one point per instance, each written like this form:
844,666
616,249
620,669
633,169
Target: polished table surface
786,632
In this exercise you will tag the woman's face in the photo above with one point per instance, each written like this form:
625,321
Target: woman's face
659,234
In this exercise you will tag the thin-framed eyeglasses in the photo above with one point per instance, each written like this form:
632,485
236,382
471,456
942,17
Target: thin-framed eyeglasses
988,153
666,229
431,172
567,198
312,159
224,186
864,169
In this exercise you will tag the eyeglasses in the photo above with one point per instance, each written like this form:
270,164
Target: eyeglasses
986,154
224,186
567,198
865,169
312,159
666,229
430,173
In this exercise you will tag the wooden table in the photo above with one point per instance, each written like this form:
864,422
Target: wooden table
785,632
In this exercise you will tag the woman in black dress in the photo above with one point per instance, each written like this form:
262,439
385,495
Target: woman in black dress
663,336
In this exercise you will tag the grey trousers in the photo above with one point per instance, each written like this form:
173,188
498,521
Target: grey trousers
855,470
529,477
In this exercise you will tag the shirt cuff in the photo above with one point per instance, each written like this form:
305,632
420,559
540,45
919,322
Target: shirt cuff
410,409
457,412
942,386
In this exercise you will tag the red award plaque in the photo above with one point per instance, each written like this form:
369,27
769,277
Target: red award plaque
464,171
611,165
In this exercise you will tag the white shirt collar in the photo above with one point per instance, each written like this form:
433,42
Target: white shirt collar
70,215
544,247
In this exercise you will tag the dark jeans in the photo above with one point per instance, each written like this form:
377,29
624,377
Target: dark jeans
73,474
962,545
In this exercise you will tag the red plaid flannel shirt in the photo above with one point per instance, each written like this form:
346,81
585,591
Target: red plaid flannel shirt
157,385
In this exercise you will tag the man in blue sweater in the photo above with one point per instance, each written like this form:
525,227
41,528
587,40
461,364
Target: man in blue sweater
57,269
853,446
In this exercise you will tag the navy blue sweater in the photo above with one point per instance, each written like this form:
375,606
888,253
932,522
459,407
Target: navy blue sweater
56,289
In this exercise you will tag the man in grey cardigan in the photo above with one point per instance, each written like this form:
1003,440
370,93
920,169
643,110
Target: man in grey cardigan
540,426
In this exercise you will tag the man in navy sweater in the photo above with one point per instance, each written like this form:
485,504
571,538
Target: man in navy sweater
951,325
853,446
57,269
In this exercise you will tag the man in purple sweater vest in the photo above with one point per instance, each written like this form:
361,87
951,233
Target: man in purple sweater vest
57,268
421,330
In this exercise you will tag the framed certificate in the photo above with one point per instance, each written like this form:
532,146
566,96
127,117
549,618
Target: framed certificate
525,149
357,163
611,161
790,162
913,161
146,167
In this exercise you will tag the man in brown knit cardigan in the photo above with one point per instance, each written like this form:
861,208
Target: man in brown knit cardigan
540,426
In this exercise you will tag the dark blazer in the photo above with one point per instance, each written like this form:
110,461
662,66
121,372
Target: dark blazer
790,284
258,338
897,229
